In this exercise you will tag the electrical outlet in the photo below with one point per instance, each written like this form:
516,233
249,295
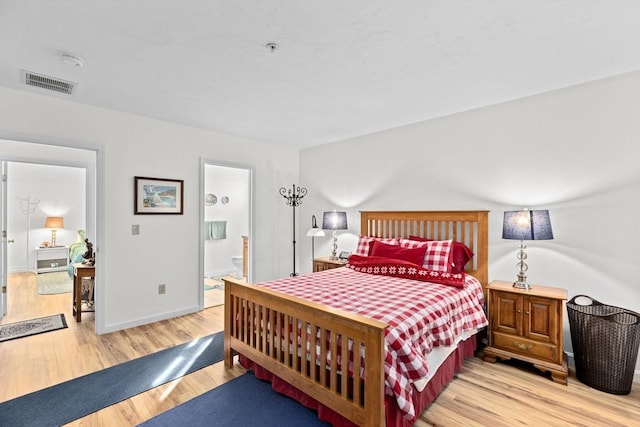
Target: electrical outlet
162,289
135,229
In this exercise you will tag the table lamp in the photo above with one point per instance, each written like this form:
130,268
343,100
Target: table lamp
334,221
54,222
525,225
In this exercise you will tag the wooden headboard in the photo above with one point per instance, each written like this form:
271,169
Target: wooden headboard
468,227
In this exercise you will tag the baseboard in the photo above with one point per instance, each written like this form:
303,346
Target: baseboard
149,319
220,273
572,367
20,270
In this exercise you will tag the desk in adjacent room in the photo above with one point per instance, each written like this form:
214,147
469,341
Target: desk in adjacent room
80,271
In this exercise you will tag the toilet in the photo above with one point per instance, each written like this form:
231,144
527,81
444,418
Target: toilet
237,262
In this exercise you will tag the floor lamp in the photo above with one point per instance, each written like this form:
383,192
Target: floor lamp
28,207
293,197
314,232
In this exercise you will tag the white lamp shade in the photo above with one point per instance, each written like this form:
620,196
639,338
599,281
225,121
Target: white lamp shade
315,232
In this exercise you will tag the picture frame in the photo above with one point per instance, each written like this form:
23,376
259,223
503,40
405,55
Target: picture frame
158,196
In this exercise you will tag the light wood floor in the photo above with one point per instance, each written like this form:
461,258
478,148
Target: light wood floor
39,361
482,395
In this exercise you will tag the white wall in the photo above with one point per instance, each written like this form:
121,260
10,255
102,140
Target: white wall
59,190
233,183
573,151
129,268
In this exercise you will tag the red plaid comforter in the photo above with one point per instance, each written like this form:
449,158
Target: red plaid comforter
420,315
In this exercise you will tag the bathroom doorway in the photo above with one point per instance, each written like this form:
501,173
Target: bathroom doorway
226,224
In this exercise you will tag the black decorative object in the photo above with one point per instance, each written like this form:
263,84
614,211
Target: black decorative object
293,198
88,256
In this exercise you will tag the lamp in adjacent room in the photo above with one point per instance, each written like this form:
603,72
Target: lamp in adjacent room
525,225
314,232
54,222
334,221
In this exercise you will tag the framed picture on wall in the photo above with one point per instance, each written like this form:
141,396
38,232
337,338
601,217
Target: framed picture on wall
158,196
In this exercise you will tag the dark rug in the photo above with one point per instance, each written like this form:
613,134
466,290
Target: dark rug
73,399
26,328
243,401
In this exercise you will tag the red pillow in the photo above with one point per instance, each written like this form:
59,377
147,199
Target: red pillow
412,255
459,257
364,244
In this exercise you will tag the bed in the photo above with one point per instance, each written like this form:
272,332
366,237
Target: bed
294,336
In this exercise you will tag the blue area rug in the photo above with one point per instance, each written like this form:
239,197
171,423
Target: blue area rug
68,401
243,401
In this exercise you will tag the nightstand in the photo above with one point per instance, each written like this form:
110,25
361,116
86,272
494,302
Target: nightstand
52,259
526,324
321,264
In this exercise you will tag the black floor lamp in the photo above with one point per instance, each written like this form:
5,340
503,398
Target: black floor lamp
293,198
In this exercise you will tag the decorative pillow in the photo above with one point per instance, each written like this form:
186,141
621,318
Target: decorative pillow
412,255
404,269
364,242
460,254
437,253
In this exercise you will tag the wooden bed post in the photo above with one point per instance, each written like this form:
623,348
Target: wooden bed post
228,327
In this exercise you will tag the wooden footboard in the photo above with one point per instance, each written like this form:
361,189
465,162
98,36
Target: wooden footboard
266,326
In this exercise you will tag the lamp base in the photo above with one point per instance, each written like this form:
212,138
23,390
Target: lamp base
521,282
334,247
521,285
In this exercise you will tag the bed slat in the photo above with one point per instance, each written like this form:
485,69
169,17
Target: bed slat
253,336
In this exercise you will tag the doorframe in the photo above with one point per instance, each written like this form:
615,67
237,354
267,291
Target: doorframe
94,198
4,267
209,162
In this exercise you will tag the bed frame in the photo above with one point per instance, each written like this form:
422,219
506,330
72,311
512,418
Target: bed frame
359,398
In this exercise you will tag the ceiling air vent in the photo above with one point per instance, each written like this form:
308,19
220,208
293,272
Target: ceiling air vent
48,83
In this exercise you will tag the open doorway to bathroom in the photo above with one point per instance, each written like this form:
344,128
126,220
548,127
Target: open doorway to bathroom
227,213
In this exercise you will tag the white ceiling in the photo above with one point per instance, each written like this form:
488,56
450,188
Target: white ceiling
342,69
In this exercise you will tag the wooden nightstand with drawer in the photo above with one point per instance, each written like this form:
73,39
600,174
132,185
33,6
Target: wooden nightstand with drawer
526,324
321,264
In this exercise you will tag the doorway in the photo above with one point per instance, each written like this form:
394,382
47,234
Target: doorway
36,192
226,223
39,182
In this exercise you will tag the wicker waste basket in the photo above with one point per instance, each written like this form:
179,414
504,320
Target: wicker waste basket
605,343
